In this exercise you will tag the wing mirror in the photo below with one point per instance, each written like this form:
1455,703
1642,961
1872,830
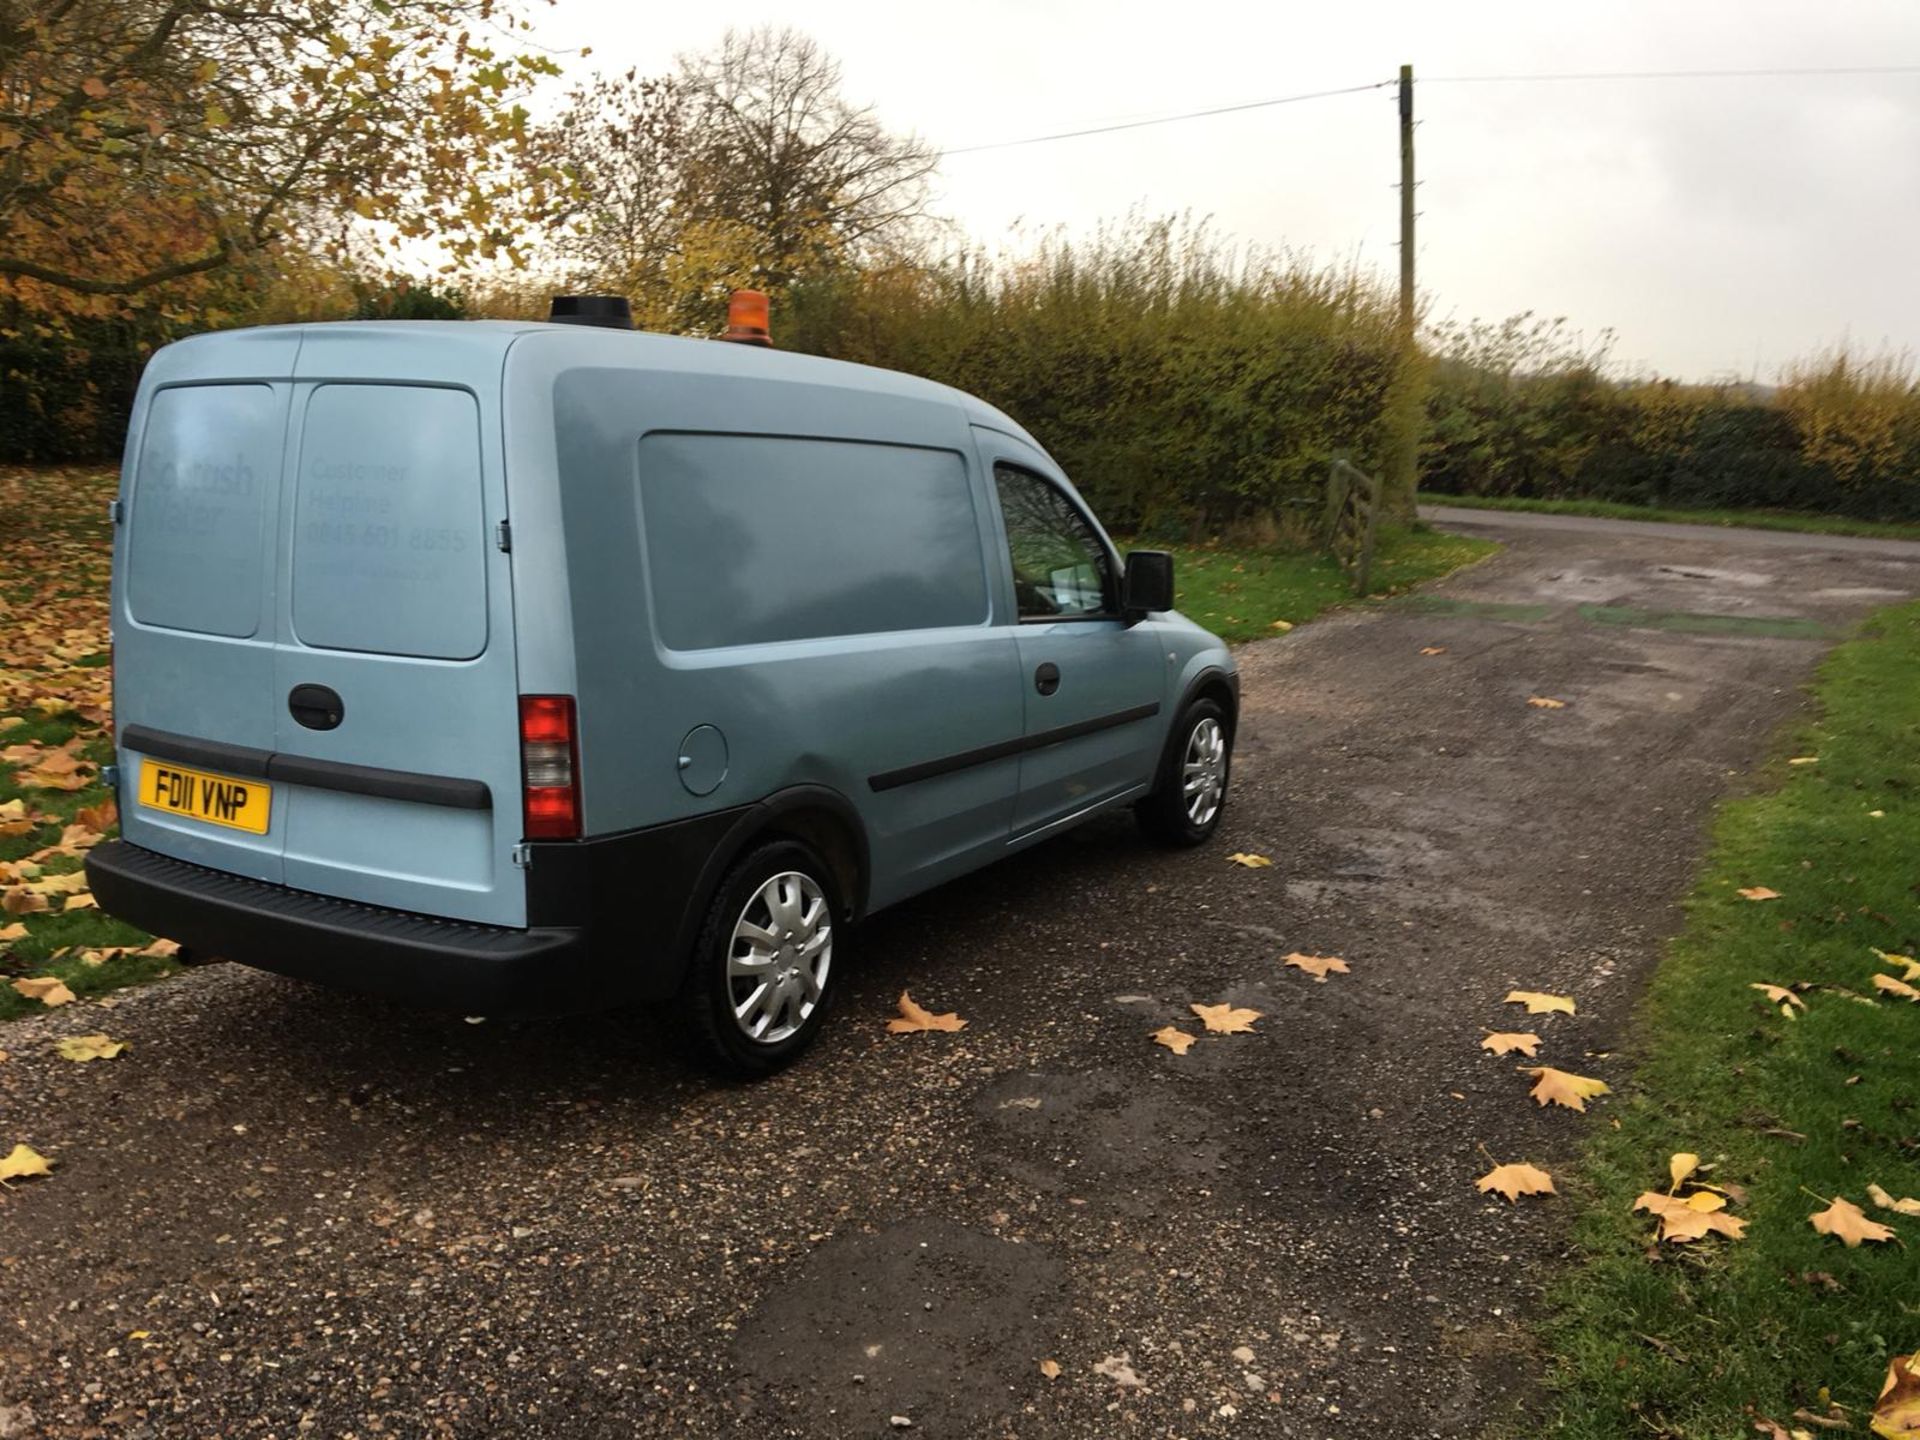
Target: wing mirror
1148,583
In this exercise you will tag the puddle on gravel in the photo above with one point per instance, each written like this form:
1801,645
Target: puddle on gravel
1100,1131
924,1319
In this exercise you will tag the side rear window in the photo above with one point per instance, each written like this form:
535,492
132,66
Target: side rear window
209,457
388,554
751,539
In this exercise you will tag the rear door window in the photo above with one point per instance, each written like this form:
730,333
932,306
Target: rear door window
388,552
209,458
752,540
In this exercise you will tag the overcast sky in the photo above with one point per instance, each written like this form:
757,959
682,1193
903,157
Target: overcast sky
1718,227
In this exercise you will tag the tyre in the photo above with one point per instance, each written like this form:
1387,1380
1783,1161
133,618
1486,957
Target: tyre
761,975
1191,790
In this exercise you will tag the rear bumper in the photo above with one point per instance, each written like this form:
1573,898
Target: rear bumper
445,964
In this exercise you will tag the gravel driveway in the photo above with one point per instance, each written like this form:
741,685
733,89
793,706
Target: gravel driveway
289,1212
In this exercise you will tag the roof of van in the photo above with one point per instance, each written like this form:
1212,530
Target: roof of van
600,345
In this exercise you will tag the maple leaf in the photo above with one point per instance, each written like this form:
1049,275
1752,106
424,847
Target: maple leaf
1251,861
1758,892
15,931
22,901
1174,1038
1511,1042
913,1018
1538,1003
1681,1220
1561,1087
1883,1200
1516,1180
1225,1019
1683,1164
1896,1414
88,1047
1543,702
1895,987
1781,996
23,1161
1847,1222
101,817
1317,966
44,988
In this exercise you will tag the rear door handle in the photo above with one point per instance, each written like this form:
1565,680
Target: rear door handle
1047,678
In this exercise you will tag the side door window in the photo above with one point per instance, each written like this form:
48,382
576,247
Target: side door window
1061,571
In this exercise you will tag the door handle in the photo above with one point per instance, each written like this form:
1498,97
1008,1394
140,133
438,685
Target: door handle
316,706
1047,678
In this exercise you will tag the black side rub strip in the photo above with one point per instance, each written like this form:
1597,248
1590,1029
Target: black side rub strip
246,761
947,764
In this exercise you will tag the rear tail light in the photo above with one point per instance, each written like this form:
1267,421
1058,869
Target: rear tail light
549,767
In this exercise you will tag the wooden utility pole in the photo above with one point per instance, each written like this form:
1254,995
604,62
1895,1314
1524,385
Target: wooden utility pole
1406,199
1404,457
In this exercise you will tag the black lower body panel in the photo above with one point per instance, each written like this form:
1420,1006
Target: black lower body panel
446,964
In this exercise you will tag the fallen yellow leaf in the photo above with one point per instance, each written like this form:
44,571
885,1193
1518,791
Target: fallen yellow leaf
1433,649
23,1161
1282,626
82,902
1683,1164
1804,760
47,989
1509,1042
1317,966
1174,1038
1540,1004
88,1047
1225,1019
1759,892
1896,1415
1911,965
1706,1201
913,1018
1781,996
1886,1201
1561,1087
1895,987
22,901
1252,862
1543,702
15,931
1516,1180
1050,1369
1847,1222
1681,1221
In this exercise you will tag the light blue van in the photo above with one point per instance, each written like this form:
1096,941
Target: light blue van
508,666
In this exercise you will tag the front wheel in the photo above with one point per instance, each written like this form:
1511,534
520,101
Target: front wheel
762,970
1190,792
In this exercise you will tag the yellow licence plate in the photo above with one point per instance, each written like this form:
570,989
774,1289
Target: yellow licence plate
217,799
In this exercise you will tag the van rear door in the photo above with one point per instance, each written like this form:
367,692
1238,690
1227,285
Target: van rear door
193,619
397,762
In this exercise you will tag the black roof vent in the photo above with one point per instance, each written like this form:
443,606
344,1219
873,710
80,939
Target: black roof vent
611,311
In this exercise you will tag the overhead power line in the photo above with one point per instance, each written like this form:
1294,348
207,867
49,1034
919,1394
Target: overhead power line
1168,119
1675,74
1576,75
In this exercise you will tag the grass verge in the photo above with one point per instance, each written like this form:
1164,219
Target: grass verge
1749,519
1240,594
54,711
1706,1339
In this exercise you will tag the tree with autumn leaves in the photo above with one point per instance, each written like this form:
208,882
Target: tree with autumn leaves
149,144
